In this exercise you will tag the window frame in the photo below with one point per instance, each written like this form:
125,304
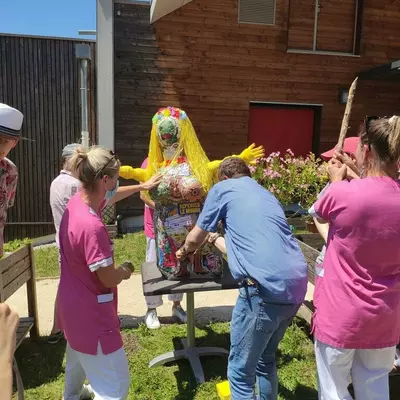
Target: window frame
257,23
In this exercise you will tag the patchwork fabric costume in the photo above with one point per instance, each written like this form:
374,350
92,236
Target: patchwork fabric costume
176,153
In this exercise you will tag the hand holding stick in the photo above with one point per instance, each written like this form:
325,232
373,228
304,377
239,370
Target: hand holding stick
347,114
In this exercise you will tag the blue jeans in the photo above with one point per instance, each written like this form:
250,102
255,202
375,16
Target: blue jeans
257,327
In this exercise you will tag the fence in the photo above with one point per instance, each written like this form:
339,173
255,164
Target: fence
40,77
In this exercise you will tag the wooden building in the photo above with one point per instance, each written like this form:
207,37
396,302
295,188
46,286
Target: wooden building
273,71
40,77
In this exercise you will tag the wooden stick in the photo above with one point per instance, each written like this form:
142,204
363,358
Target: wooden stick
346,116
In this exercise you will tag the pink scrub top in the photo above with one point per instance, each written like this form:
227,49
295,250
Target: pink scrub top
87,309
358,299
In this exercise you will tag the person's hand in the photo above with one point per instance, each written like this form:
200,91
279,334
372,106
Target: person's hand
336,170
353,171
182,255
126,272
252,153
152,182
8,328
212,237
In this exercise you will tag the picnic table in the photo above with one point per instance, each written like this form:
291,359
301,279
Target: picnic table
155,284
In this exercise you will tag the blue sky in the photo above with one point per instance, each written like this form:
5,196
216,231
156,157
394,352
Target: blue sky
47,17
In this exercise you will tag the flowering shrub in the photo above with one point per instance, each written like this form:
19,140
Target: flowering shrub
292,180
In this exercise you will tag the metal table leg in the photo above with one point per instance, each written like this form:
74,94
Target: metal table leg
190,351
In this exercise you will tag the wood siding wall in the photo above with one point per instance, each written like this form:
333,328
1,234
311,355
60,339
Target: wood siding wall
40,77
201,59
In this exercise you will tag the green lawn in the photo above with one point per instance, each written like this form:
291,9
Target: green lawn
42,365
131,247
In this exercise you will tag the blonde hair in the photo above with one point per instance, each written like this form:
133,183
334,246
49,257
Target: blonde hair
93,164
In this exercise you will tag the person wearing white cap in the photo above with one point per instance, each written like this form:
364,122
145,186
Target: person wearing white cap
63,187
10,133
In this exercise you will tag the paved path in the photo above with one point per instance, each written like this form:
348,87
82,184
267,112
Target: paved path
210,306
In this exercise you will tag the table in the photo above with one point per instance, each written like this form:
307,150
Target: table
155,284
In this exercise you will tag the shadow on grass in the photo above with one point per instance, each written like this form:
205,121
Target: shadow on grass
203,317
40,362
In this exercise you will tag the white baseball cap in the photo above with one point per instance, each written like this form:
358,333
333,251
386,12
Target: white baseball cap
10,122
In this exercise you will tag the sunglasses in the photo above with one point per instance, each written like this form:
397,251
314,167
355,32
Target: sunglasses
113,157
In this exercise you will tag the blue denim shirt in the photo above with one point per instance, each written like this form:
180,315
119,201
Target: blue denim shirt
258,239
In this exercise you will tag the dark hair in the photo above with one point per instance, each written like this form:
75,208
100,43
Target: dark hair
233,167
382,135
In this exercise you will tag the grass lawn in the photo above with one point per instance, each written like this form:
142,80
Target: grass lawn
42,365
131,247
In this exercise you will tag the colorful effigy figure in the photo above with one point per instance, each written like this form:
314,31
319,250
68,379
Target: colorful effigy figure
176,153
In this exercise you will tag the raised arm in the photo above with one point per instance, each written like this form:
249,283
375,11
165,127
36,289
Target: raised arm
138,174
247,155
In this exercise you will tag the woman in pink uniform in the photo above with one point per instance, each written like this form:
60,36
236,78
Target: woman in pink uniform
87,297
357,319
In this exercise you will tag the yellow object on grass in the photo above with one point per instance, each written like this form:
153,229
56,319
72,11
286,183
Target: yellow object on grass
223,390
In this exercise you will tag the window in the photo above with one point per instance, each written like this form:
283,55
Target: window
257,12
328,26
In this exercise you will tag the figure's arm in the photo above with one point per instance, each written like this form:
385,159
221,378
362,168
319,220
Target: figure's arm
247,155
138,174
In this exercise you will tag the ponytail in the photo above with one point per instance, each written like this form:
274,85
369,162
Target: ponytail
394,138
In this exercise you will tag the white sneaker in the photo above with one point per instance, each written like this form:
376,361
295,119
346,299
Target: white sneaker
86,392
151,320
179,313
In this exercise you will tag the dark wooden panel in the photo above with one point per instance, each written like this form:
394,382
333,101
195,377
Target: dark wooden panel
301,24
40,77
201,59
336,23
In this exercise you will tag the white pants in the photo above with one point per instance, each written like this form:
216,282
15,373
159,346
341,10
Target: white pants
151,255
108,374
367,369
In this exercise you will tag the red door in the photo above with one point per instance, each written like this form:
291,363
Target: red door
279,129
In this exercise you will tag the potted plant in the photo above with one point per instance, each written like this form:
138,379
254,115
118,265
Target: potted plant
292,180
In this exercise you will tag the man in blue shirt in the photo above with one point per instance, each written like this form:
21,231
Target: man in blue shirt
266,261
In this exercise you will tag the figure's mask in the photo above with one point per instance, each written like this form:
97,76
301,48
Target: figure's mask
169,129
168,133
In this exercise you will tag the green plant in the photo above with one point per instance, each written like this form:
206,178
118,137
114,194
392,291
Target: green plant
292,180
16,244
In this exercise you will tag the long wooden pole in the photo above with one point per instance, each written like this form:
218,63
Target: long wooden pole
346,116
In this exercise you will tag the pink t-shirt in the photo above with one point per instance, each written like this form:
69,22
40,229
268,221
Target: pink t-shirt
358,300
148,215
88,309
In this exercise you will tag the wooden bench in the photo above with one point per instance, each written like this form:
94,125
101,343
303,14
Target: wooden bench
310,254
17,269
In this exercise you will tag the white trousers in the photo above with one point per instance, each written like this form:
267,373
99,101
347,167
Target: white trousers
151,255
108,374
367,369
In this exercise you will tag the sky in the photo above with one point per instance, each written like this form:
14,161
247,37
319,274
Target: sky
62,18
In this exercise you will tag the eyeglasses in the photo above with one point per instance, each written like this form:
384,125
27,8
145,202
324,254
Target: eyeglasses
113,157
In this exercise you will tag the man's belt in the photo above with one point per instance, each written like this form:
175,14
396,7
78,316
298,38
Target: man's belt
248,282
